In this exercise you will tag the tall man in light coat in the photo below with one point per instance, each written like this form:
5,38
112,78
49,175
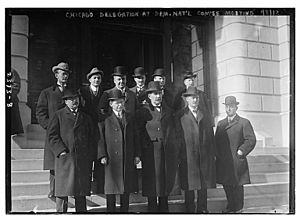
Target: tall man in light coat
197,152
119,152
235,139
50,100
71,139
159,149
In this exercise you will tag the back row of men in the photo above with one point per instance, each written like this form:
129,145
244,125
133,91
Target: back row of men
171,135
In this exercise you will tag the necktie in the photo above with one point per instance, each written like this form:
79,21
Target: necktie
74,112
229,120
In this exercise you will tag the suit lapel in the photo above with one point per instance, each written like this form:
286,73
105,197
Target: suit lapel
235,121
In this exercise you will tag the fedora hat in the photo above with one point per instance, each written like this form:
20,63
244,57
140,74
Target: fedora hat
191,91
119,71
229,100
188,74
115,94
70,93
138,72
61,66
94,71
159,72
153,86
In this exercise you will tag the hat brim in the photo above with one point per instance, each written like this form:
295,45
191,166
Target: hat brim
115,98
153,90
119,74
68,97
55,68
89,75
189,94
188,77
136,76
230,103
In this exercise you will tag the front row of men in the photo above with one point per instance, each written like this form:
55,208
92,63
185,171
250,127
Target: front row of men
178,150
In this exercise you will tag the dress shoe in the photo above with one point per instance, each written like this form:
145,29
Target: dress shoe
227,211
202,211
239,211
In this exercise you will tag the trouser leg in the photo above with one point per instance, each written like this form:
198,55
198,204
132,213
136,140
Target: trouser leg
163,204
239,197
124,202
62,204
152,203
80,204
202,200
189,200
52,184
111,203
229,191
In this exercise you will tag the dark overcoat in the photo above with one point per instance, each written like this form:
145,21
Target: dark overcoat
73,134
131,103
168,97
89,103
50,100
141,95
118,142
197,150
238,135
159,151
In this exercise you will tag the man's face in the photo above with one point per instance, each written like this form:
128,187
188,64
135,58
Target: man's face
95,80
72,103
160,79
189,82
155,97
117,105
140,80
62,76
120,82
231,109
193,101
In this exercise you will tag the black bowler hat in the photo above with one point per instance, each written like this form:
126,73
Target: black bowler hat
138,72
70,93
120,71
115,94
230,100
153,86
159,72
191,91
94,71
188,74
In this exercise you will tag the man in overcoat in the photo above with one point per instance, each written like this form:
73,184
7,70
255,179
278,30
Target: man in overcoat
119,152
159,149
159,75
197,152
70,135
139,77
49,101
235,139
119,78
89,100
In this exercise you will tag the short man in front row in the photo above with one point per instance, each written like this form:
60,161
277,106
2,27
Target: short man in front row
71,138
120,78
119,152
50,100
140,88
158,147
197,152
235,139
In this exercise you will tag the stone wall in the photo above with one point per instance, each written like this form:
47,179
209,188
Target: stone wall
252,54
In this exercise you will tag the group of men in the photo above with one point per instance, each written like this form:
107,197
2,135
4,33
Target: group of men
171,135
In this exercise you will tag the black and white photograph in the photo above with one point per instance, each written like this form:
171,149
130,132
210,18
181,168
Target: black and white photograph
149,110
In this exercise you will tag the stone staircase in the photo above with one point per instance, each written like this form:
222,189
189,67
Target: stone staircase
268,193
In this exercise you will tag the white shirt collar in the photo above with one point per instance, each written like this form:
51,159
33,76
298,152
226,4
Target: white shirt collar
193,109
117,113
231,118
94,88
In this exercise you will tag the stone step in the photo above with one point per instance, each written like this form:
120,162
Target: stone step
269,177
270,150
37,164
39,154
269,167
22,154
215,205
42,188
31,176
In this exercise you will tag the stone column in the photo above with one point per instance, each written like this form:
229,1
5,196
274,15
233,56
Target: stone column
19,61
